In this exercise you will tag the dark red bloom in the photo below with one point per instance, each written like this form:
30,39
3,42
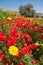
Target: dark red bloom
41,29
42,37
29,38
19,54
27,24
37,30
26,50
12,41
25,35
13,32
33,46
19,25
6,62
1,56
3,37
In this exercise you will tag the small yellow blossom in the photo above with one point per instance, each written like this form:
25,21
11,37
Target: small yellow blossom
37,44
41,44
13,50
9,18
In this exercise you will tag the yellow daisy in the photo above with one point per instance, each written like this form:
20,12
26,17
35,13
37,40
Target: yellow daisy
13,50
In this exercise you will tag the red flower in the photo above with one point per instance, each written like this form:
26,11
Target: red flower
12,41
6,62
25,43
41,29
29,39
21,63
27,24
37,30
26,36
33,46
42,37
28,33
26,50
12,31
34,60
20,34
3,37
19,55
1,56
19,25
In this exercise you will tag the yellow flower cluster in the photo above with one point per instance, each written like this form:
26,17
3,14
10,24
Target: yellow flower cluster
37,43
13,50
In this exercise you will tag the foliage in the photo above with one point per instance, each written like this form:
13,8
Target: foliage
27,10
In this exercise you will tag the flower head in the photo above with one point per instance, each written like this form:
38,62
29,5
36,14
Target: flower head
13,50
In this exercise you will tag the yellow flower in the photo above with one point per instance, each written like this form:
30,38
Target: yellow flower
41,44
9,18
37,44
13,50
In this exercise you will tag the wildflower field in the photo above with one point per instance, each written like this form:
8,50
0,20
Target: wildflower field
21,40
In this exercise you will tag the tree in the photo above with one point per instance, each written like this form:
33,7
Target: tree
27,10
